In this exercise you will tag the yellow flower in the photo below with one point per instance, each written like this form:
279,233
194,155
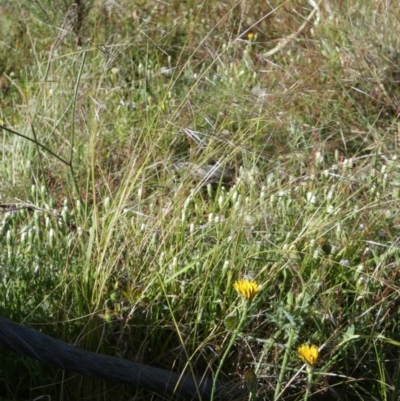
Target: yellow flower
250,36
246,288
250,381
308,354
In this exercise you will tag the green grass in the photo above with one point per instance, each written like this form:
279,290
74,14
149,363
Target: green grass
111,240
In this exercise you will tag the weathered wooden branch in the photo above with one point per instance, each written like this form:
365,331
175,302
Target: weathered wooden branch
29,342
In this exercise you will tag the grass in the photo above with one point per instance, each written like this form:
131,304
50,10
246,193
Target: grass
170,155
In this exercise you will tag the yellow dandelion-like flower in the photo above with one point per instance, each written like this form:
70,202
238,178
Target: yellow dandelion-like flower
246,288
250,36
250,380
308,354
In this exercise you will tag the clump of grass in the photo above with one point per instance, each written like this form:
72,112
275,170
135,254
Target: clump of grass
191,155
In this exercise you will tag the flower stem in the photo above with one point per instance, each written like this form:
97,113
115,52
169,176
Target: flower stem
231,342
284,364
310,370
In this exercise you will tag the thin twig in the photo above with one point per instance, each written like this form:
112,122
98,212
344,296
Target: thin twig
285,41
